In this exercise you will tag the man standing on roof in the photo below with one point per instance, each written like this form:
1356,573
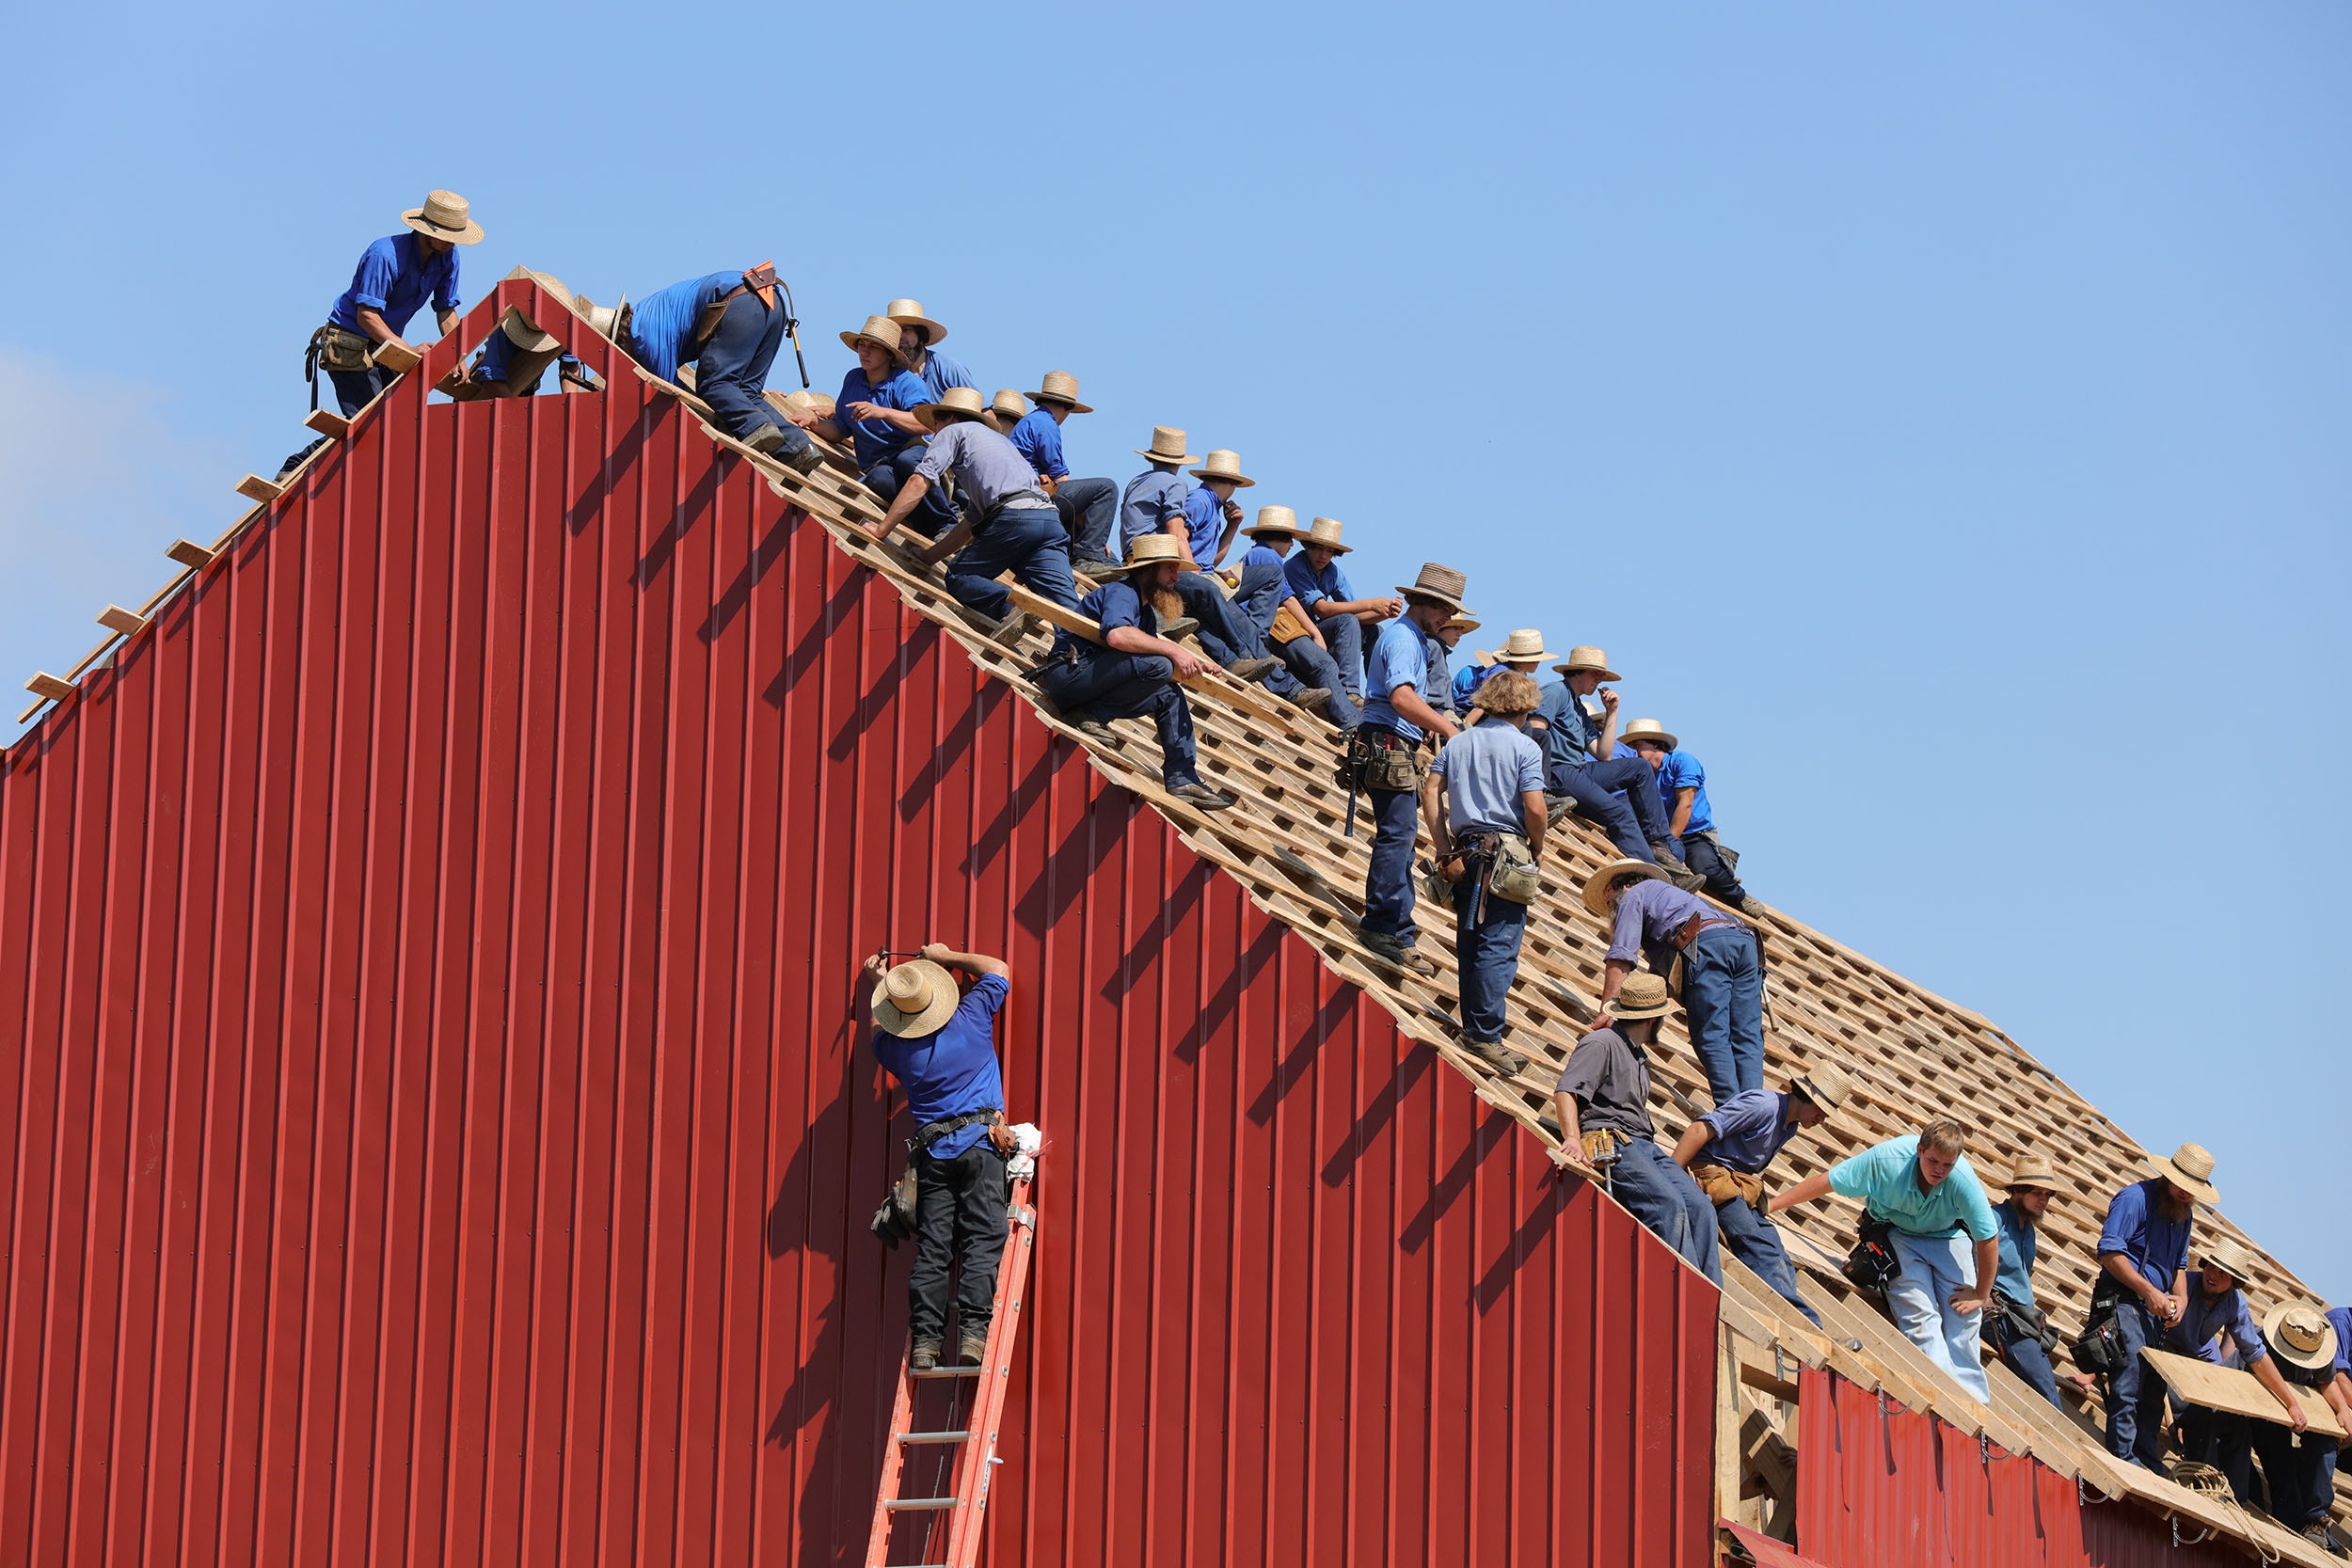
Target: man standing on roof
2017,1327
1689,820
1405,677
875,414
1602,1106
1580,737
728,326
1922,1192
917,333
1089,507
1725,1153
942,1049
1322,590
1720,959
1262,597
2216,1310
1133,670
1484,801
395,276
2143,1280
2307,1347
1009,524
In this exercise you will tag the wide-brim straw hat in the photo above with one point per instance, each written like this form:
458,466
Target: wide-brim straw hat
1275,519
1587,658
1523,646
1008,405
1826,1084
2031,1170
1596,885
1060,387
1326,532
524,335
909,312
1442,583
611,321
914,998
818,404
1225,465
1650,730
445,215
956,402
1167,446
2190,1169
1484,657
2230,1257
1463,622
881,329
1148,549
1643,995
2300,1333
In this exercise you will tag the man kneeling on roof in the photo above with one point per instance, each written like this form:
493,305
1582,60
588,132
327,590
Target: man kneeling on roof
1263,598
1689,820
1603,1104
1484,801
1580,737
942,1049
1720,955
1920,1198
1133,670
1403,680
728,326
2018,1328
1089,507
1008,523
875,414
2307,1345
2217,1311
1725,1153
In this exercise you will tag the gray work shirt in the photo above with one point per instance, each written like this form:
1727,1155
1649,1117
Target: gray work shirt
987,467
1484,770
1610,1077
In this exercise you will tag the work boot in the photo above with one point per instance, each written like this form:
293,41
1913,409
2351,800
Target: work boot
1314,699
1201,795
1006,631
1505,1060
925,1357
1097,730
1251,669
1387,950
1676,873
972,1348
805,461
1750,904
1098,568
1176,630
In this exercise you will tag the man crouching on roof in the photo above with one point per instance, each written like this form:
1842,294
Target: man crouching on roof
1134,669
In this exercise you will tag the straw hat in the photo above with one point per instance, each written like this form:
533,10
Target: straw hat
881,329
2031,1170
1223,463
1008,405
1484,660
1643,995
612,322
445,215
2300,1333
1650,730
1275,519
2190,1169
524,335
2227,1256
818,404
1463,622
1144,550
1596,885
1824,1085
1060,387
1587,659
1523,646
1167,446
909,312
914,998
1326,531
1442,583
956,402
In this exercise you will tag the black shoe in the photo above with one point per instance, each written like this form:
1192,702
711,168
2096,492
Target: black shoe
1196,793
924,1357
1251,669
805,461
972,1349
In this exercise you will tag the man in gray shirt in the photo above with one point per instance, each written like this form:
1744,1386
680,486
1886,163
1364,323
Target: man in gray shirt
1602,1102
1491,780
1009,524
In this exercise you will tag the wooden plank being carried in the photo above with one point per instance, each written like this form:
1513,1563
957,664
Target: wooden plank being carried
2237,1393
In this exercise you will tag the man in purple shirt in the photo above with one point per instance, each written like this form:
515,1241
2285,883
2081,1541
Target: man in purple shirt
2217,1310
1719,957
1725,1153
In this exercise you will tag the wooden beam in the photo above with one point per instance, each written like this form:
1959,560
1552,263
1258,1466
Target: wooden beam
328,423
397,356
130,622
254,487
45,685
187,552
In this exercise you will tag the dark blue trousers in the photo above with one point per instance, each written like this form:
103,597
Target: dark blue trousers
1090,509
1346,634
1226,634
2029,1360
1389,885
2134,1395
1699,853
1028,543
1315,666
731,370
1661,1195
1622,796
2301,1480
1756,1241
1723,993
354,390
1105,684
934,515
1487,954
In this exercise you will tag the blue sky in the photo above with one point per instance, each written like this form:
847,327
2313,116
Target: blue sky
1939,415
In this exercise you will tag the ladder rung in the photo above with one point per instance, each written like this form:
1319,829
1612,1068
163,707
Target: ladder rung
950,1371
896,1504
934,1436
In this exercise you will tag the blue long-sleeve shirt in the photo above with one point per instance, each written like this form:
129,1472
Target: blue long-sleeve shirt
662,325
394,279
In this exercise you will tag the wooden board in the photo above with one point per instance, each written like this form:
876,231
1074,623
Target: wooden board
2237,1393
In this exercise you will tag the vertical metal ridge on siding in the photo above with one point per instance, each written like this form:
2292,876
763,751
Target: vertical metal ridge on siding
439,1133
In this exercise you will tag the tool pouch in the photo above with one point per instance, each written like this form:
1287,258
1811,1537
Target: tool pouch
893,1222
1601,1145
1388,762
1871,1265
2099,1349
2010,1321
1721,1184
340,349
1513,873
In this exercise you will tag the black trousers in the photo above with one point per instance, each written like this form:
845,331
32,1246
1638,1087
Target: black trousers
959,1216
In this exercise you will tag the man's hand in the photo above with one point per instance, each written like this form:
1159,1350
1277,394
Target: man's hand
1600,1021
1609,699
1048,484
862,410
1189,663
1569,1156
1971,1300
2167,1307
1233,511
2295,1418
875,969
938,952
2087,1387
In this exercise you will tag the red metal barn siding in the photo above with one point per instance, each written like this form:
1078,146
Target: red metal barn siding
1879,1486
437,1131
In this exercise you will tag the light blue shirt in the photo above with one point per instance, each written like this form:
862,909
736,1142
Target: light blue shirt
1204,522
1310,587
1569,727
2020,1241
1404,655
987,468
939,372
1485,770
1886,1179
1152,498
2209,1317
1263,587
875,439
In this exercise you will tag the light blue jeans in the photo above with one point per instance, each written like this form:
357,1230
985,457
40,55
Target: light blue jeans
1934,1270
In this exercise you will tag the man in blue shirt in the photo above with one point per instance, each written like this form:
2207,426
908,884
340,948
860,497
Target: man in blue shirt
1089,507
2143,1262
1157,501
2218,1310
1465,680
2016,1324
1402,679
1725,1153
1134,669
1523,650
1484,801
2307,1346
942,1049
1922,1190
1211,513
1689,820
875,414
1583,767
512,363
1263,598
917,332
1153,502
1323,591
728,326
1719,957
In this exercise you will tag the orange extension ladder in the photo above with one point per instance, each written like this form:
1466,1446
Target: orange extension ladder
976,1403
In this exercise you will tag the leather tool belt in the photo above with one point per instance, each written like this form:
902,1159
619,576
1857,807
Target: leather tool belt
1601,1145
1379,758
1689,933
1871,1265
930,1133
1721,1184
335,348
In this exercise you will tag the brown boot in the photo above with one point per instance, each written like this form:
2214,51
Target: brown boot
972,1349
924,1357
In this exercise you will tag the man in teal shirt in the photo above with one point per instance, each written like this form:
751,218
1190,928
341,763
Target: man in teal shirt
1922,1188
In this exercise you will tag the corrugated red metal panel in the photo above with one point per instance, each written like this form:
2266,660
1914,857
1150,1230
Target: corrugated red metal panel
1880,1487
439,1132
